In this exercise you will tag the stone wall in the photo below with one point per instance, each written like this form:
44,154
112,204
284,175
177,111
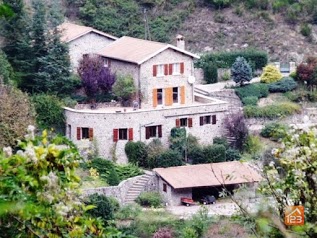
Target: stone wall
199,76
86,44
103,124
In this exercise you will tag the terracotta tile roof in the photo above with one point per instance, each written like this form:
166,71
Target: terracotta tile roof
202,175
137,50
71,31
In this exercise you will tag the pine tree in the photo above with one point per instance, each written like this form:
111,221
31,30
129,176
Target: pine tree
241,71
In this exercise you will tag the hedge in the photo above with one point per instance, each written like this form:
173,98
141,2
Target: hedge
258,90
274,131
284,85
251,100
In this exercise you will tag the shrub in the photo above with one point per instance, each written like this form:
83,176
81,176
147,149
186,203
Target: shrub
103,166
178,141
284,85
215,153
305,30
129,211
270,74
211,73
252,100
149,199
124,87
236,129
272,111
293,75
105,207
154,149
197,156
169,158
259,90
253,145
137,153
221,141
274,131
126,171
232,155
113,178
241,71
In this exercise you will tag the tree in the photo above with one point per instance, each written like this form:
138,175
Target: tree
95,76
16,114
6,70
307,71
270,74
290,179
169,158
241,71
236,130
124,87
41,197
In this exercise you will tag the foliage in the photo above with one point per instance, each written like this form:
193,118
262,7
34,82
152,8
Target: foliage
126,171
211,73
305,30
258,90
275,131
215,153
251,100
113,178
236,129
253,145
270,74
49,112
221,3
124,87
137,153
284,85
17,113
6,71
105,207
149,199
169,158
178,140
199,222
272,111
163,233
154,149
196,155
95,76
306,71
129,211
241,71
232,154
221,141
43,192
292,180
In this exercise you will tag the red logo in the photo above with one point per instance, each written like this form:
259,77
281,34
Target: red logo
294,216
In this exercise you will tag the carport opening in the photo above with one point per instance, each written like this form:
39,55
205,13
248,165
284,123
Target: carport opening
200,192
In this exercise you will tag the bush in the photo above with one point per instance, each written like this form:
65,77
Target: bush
284,85
163,233
197,156
124,87
274,131
211,73
113,178
178,141
149,199
270,74
305,30
215,153
154,149
272,111
126,171
221,141
253,145
258,90
103,166
169,158
137,153
232,155
130,211
241,71
252,100
105,207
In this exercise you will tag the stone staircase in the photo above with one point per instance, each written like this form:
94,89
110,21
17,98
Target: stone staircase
137,187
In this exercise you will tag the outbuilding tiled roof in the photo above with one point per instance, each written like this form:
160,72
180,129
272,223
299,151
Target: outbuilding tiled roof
71,31
208,175
137,51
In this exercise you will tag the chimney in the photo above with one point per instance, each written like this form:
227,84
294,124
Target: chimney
180,43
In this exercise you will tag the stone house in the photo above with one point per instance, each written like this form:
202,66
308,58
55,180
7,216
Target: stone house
197,181
83,40
163,75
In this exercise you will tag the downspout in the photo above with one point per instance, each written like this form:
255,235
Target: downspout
139,87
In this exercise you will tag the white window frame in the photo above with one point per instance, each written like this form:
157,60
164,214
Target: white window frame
163,94
176,69
178,95
160,70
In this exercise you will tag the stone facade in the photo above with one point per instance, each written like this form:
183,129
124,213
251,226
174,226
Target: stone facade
103,123
171,196
87,44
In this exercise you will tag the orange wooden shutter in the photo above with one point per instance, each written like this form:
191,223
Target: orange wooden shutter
190,122
115,135
165,69
78,133
168,96
159,129
178,123
91,133
154,70
130,133
182,94
214,119
182,68
154,97
170,69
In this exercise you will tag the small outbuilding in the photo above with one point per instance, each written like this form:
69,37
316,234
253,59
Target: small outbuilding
196,181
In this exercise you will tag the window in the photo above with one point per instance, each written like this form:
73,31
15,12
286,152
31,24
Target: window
153,131
208,120
85,133
69,130
175,95
183,122
123,134
164,187
106,62
159,96
176,68
160,70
